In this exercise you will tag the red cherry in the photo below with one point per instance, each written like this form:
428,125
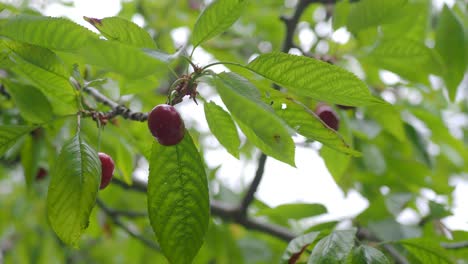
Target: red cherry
107,165
327,115
41,174
166,125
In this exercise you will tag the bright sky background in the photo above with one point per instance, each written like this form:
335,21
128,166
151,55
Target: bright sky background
310,181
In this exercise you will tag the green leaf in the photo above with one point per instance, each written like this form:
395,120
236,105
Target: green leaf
313,78
390,119
122,30
305,122
340,14
10,134
450,44
297,246
73,189
413,22
30,156
294,211
49,32
32,104
121,58
367,255
410,59
426,251
333,248
337,163
223,128
46,71
215,19
178,202
255,118
371,13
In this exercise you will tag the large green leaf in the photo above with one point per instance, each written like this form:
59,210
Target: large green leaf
412,23
46,71
450,44
426,251
73,189
370,13
333,248
313,78
223,128
122,30
297,246
294,211
124,59
178,202
32,104
305,122
367,255
408,58
255,118
215,19
48,32
10,134
30,156
390,119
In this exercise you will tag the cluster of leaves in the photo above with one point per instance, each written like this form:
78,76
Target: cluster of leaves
51,63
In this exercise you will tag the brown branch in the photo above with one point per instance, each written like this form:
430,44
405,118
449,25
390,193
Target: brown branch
117,109
116,219
4,92
249,196
226,212
366,234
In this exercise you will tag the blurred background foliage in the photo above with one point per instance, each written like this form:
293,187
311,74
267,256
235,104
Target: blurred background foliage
413,154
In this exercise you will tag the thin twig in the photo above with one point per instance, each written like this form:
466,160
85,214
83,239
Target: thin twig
249,196
117,109
4,92
366,234
227,212
115,218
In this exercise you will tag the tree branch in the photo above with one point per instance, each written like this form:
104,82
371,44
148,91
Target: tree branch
116,108
291,23
226,212
4,92
365,234
249,196
114,216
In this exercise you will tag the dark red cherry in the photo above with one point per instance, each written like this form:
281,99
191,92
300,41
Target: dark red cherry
166,125
107,165
327,115
41,174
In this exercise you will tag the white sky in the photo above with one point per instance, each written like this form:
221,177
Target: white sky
309,182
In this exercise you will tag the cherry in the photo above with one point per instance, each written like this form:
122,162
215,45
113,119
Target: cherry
41,174
107,165
327,115
166,125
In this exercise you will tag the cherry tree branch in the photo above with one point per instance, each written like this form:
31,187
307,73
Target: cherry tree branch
249,196
4,92
117,109
114,216
226,212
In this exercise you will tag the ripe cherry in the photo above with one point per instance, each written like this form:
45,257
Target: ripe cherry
166,125
107,165
327,115
41,174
